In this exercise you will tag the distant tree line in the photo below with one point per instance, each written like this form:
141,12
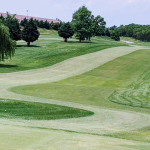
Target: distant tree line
139,32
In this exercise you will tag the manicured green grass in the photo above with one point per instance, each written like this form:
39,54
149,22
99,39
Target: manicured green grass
13,109
49,50
94,87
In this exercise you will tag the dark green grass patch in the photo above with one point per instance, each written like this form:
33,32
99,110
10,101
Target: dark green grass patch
38,111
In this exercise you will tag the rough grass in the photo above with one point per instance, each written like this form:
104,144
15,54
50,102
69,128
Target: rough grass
49,50
13,109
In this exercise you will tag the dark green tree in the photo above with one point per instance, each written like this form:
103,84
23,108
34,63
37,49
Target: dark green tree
99,26
65,31
2,18
14,28
23,22
7,46
115,35
107,33
30,32
83,23
46,25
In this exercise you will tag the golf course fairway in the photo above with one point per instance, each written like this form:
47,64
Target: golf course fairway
85,83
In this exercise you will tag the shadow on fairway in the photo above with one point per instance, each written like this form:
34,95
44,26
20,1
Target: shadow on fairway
7,66
81,42
28,46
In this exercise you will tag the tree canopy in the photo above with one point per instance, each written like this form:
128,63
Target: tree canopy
30,32
66,31
7,46
14,28
83,23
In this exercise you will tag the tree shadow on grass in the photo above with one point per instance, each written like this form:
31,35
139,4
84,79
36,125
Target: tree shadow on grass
7,66
28,46
82,42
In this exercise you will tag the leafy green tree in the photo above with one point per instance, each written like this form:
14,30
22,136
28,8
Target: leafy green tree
23,22
7,46
30,32
115,35
83,23
65,31
14,28
99,25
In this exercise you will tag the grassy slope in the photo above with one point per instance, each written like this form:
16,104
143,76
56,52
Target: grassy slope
13,109
49,50
94,87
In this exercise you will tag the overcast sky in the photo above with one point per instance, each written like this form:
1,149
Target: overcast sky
115,12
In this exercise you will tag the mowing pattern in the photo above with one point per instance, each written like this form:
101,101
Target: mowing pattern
137,94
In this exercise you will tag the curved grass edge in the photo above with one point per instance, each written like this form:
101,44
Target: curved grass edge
16,109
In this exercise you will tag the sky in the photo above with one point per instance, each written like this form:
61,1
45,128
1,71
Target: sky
114,12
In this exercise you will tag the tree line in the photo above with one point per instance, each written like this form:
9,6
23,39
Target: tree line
139,32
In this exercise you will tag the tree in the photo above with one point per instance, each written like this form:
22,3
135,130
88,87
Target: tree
83,23
99,25
2,18
107,33
14,28
30,32
23,22
7,46
66,31
115,35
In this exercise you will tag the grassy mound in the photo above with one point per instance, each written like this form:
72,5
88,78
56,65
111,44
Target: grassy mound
49,50
38,111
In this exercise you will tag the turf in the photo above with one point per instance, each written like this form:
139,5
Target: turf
13,109
49,50
94,87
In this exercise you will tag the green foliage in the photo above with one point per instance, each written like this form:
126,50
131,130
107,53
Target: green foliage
7,46
99,26
56,26
139,32
107,33
38,111
2,19
24,22
30,32
66,31
14,28
115,35
83,23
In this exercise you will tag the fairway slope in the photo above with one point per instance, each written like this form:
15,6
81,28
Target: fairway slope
104,121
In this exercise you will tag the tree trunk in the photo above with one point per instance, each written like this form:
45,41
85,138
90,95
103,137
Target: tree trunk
28,43
65,39
80,39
